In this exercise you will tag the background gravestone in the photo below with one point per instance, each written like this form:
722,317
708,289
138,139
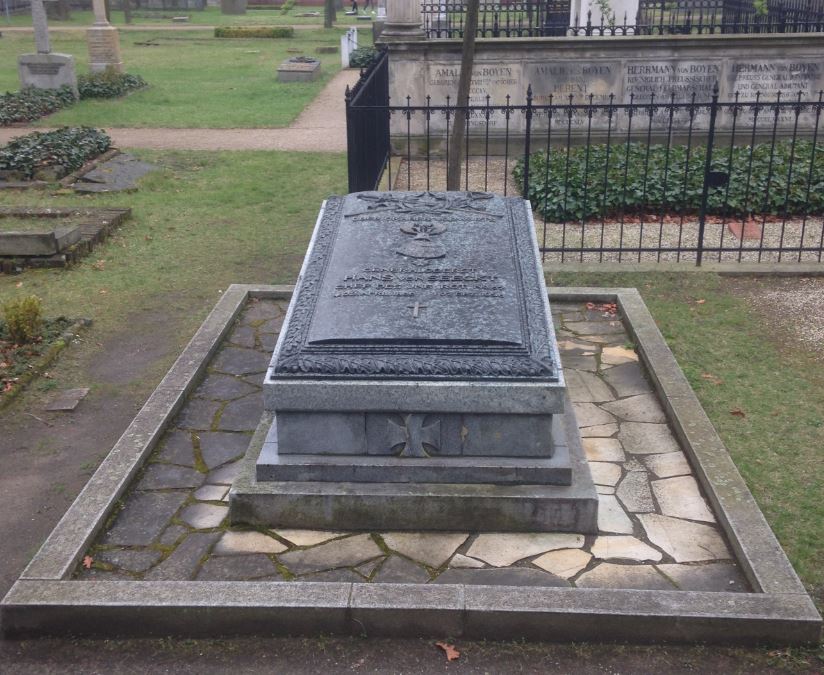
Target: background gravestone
104,42
45,70
58,10
233,6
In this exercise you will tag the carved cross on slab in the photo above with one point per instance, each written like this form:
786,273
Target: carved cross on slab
415,437
416,309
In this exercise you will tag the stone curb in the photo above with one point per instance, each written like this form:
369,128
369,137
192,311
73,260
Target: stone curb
45,602
88,513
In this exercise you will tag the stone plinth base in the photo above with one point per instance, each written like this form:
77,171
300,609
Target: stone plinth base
38,243
376,506
104,49
298,71
47,71
545,463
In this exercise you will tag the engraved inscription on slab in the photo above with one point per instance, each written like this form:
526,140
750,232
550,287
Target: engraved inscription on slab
663,79
495,80
582,82
768,77
44,68
429,284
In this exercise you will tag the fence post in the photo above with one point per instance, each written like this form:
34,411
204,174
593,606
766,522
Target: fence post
527,138
351,163
705,192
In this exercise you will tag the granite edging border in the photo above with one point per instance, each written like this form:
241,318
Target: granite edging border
45,602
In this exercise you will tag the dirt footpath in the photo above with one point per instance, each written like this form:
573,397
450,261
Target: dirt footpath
321,127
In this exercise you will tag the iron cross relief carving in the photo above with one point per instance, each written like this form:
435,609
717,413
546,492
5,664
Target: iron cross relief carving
415,438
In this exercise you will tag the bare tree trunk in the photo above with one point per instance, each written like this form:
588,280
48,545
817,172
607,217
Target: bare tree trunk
329,14
458,133
127,11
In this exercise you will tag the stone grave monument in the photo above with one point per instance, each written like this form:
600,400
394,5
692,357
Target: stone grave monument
104,42
416,383
45,69
299,69
233,6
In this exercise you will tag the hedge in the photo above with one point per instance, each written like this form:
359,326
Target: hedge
31,104
595,189
254,32
68,148
108,84
363,57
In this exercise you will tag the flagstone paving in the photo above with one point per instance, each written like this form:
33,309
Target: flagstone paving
656,529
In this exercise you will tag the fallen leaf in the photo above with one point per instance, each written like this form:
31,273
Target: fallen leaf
700,302
711,378
102,291
451,653
738,412
18,284
99,265
87,562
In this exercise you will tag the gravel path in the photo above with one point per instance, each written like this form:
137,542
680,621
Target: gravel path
321,127
495,175
791,307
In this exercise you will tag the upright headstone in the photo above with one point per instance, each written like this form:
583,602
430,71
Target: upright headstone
45,70
58,10
104,42
233,6
348,44
416,383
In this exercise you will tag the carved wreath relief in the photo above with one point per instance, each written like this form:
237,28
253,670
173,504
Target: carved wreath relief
428,204
422,246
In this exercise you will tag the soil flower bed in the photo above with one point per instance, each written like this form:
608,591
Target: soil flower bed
20,362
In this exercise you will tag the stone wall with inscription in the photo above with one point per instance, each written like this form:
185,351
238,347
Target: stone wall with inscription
600,70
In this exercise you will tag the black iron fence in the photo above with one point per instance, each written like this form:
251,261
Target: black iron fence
552,18
645,180
367,125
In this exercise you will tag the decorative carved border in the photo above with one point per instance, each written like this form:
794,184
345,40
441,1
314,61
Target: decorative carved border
298,359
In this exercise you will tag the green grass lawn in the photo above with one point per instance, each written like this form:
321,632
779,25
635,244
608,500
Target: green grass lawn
210,16
205,221
195,80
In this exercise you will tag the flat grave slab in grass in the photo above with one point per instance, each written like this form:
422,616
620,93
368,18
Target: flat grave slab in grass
118,174
31,237
682,552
